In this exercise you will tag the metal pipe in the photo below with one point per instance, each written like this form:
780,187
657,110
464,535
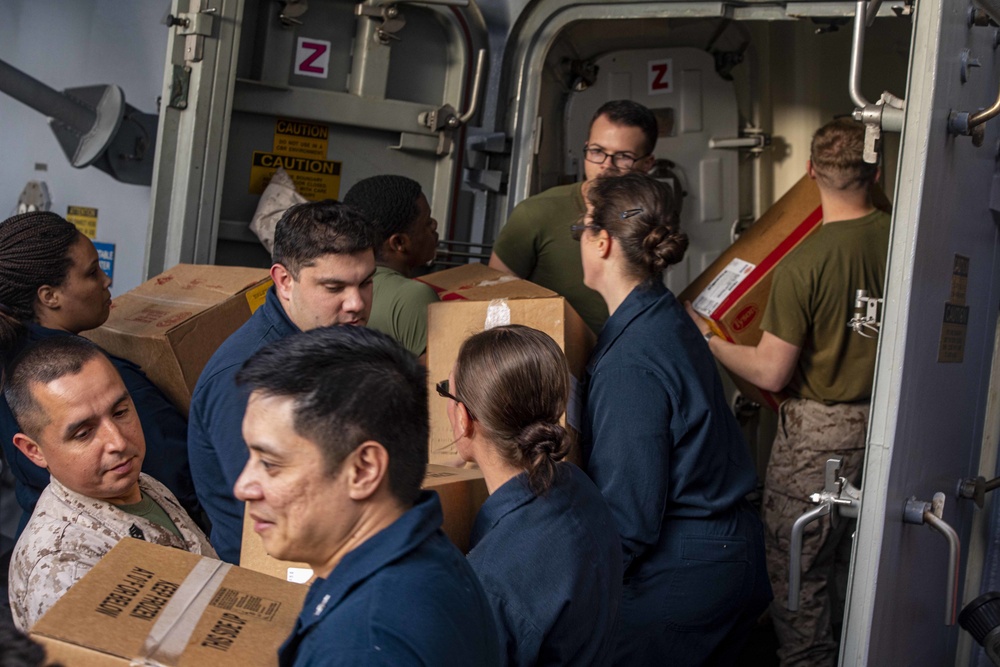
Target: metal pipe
45,100
857,55
477,83
872,12
795,553
981,117
954,554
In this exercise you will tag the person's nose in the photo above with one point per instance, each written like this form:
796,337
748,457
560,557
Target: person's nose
354,301
247,487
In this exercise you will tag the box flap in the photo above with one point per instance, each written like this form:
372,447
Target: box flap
477,282
157,305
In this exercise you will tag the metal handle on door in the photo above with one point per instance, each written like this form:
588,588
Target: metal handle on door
887,113
919,512
446,117
837,493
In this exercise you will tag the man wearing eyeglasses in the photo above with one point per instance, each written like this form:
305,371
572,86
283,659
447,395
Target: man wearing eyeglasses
535,243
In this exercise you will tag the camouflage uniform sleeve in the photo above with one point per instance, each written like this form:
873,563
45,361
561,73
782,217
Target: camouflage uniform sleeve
50,577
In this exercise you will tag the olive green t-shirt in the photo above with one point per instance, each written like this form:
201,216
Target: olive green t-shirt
399,308
150,510
812,300
537,245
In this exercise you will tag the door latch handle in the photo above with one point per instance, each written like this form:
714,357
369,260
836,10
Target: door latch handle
976,488
839,494
446,117
919,512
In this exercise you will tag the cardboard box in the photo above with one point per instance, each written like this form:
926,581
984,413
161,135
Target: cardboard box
474,298
172,324
145,601
732,293
462,492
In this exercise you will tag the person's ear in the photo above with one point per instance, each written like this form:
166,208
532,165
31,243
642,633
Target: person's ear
645,164
283,280
30,449
398,243
810,169
48,297
366,468
466,424
603,243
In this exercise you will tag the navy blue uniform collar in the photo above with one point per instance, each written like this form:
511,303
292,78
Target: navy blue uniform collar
512,495
275,314
382,549
641,298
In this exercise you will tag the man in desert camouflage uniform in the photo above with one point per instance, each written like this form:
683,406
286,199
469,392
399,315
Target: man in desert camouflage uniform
80,424
808,351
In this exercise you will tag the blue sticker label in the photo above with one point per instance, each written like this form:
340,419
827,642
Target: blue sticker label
106,258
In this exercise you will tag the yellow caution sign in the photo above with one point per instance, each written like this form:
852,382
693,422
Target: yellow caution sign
296,137
84,219
314,178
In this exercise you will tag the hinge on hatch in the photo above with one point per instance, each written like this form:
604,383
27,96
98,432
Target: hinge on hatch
194,26
390,16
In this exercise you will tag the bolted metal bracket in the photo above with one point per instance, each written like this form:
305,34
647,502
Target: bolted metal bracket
866,321
392,21
967,62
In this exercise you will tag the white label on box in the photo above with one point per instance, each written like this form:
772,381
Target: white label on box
299,575
722,286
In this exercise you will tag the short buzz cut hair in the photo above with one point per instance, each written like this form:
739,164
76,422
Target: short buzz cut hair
837,156
313,229
42,363
631,114
350,385
388,201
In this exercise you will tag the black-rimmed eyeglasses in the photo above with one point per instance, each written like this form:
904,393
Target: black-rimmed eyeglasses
443,392
623,161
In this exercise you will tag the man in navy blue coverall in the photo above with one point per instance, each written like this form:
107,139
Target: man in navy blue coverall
323,266
337,428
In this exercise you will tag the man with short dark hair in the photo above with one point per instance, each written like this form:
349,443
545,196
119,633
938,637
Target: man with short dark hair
323,267
536,244
80,424
336,427
398,209
808,351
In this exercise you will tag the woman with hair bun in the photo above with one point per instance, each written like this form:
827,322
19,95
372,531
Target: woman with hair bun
51,284
662,445
544,543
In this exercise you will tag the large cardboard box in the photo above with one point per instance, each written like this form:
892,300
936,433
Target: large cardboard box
462,492
732,293
144,603
172,324
475,298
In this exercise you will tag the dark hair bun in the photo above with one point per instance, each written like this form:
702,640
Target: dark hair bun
543,439
542,445
663,247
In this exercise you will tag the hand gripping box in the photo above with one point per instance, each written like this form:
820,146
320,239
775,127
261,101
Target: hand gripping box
145,604
172,324
475,298
462,492
733,292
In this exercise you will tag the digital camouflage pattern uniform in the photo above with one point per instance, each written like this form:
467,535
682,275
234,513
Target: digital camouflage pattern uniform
811,301
68,533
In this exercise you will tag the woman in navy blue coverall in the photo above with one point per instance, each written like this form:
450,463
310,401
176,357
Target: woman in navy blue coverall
51,284
544,544
662,445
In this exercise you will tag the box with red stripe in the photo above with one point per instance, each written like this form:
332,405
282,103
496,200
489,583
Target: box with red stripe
732,293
